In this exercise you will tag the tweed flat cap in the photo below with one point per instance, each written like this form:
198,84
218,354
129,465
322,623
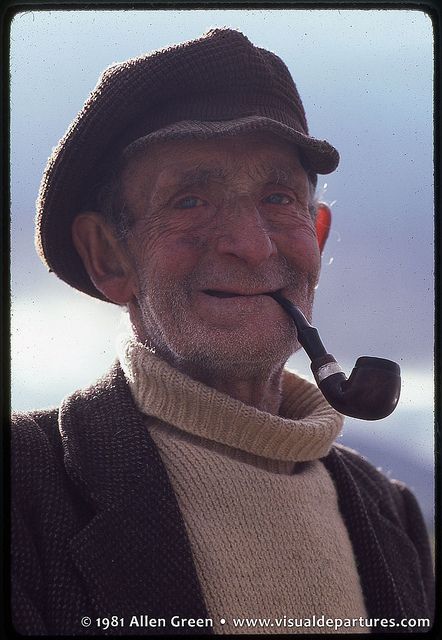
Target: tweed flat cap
218,84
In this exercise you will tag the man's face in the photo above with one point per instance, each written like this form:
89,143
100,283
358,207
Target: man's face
217,225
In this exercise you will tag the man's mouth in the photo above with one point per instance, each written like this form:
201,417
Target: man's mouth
232,294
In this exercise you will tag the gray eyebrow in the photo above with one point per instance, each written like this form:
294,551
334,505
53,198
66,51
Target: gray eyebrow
279,174
201,176
268,172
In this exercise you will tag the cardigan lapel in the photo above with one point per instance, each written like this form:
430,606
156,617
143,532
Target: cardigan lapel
134,554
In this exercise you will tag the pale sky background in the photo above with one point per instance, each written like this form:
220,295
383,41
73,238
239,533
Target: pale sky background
365,77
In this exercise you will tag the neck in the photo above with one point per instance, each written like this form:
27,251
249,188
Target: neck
260,391
258,388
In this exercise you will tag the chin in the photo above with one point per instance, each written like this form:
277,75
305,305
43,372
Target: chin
237,355
192,344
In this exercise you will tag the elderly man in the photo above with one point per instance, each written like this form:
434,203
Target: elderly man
196,487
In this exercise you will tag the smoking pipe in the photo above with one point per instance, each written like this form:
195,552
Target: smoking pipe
372,390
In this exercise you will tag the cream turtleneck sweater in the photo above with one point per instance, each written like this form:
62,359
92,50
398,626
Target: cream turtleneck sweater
259,507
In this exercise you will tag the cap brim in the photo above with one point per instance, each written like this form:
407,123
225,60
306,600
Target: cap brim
319,155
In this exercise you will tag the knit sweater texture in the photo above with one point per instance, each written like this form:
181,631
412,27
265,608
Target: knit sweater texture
260,509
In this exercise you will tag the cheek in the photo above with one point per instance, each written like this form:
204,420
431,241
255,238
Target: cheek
165,254
300,247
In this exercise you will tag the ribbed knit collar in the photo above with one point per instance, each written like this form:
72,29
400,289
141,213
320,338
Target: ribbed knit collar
304,430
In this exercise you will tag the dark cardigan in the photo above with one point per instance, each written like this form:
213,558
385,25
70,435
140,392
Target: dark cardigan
97,531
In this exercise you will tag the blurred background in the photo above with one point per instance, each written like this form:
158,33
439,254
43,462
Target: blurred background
365,77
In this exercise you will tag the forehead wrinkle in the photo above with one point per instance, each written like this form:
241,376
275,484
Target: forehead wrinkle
202,175
196,176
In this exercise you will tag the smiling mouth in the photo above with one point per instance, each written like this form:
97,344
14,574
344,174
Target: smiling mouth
230,294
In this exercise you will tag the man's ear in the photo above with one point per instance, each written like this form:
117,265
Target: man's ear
323,224
103,257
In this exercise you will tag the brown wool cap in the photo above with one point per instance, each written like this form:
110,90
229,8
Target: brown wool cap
219,84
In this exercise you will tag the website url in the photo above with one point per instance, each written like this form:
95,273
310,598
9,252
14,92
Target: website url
334,623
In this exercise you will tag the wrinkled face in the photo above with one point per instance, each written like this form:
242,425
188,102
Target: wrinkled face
217,225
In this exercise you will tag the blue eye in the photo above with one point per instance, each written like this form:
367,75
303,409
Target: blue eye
278,198
189,202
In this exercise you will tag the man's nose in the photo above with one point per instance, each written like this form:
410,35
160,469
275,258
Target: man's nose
242,233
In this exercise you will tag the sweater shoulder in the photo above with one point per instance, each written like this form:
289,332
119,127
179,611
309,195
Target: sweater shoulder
359,463
35,437
34,423
32,426
36,461
390,495
32,434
